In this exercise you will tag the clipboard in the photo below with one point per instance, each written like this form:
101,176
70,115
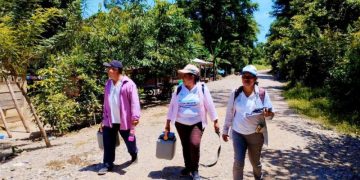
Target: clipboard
255,116
258,115
259,118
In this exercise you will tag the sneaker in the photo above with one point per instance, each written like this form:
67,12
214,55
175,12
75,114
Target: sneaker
104,170
185,172
195,175
134,158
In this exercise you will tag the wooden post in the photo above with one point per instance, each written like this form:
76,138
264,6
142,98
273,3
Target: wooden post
17,105
23,100
37,119
5,123
205,72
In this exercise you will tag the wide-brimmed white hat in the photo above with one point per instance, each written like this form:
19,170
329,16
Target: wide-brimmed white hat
192,69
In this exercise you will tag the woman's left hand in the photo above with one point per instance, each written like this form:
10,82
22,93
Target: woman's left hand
216,126
135,122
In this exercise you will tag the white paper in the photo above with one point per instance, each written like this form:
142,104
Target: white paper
255,116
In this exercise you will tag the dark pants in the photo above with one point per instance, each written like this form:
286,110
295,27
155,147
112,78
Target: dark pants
109,139
253,143
190,137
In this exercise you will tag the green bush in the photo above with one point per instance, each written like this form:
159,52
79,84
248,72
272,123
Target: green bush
68,94
58,111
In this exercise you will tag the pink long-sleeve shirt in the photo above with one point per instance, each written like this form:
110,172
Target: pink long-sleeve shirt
206,106
129,104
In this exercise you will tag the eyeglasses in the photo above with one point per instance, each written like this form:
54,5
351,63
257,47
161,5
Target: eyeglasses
247,77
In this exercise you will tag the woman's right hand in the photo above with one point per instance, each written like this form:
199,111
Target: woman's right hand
167,130
167,126
225,137
101,127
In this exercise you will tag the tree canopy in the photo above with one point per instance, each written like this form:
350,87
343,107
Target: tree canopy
228,27
50,39
316,43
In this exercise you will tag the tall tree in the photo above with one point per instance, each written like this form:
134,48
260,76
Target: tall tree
226,24
315,43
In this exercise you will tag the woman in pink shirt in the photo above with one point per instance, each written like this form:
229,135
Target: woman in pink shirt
189,105
121,113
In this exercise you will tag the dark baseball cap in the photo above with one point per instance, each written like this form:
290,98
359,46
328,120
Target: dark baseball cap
114,63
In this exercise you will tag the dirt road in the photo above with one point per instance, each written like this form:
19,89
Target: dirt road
298,148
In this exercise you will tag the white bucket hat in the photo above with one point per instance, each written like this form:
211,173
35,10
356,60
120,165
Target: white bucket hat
192,69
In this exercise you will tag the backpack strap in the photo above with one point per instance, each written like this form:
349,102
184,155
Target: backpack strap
238,91
179,88
262,94
203,88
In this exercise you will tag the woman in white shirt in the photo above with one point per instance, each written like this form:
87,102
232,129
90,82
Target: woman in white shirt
246,131
189,105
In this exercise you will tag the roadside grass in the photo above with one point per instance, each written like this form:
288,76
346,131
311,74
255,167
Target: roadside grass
262,66
313,103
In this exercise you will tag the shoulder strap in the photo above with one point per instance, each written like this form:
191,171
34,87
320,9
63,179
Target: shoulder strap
238,91
203,87
179,89
262,94
217,157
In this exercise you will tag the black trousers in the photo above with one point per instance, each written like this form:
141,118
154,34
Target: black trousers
109,139
190,137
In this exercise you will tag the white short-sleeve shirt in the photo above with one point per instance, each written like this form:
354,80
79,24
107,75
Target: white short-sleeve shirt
246,105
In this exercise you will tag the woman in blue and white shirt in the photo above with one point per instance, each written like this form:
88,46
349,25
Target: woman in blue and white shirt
244,129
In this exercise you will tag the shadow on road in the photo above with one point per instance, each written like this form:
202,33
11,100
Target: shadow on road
117,168
170,172
221,97
323,158
267,76
8,151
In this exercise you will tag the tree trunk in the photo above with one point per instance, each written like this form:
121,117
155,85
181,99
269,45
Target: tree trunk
214,68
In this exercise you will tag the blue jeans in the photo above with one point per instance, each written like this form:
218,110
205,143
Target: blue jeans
109,139
253,143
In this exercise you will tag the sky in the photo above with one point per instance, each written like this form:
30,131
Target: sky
262,16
